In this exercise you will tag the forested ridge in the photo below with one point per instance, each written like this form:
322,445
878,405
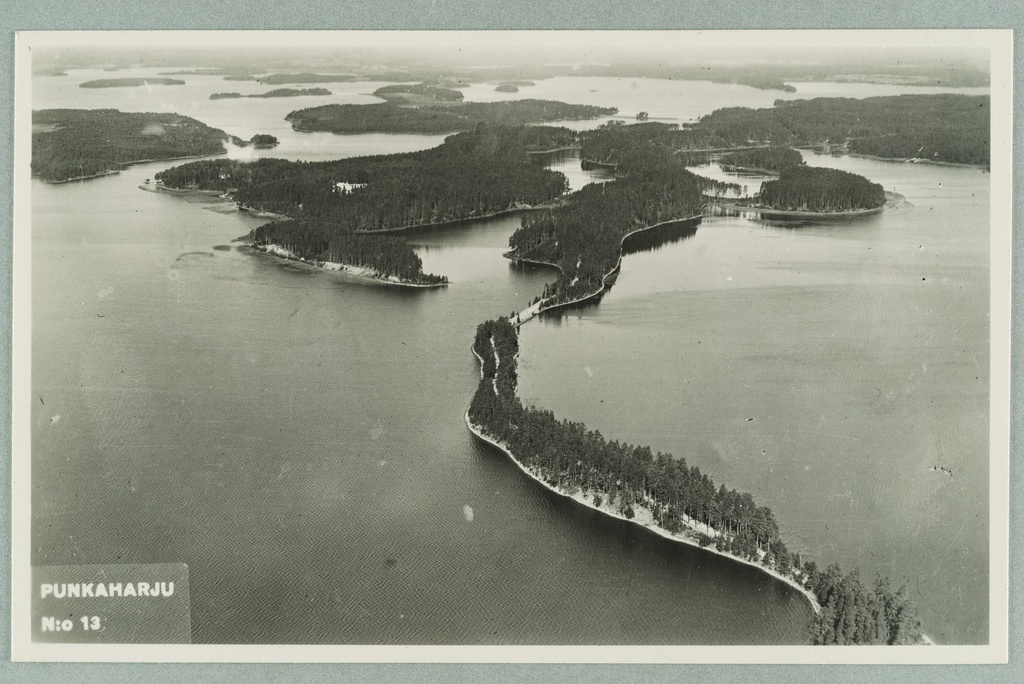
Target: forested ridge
944,128
472,174
391,117
321,242
678,498
798,188
129,82
402,92
583,237
820,189
948,128
284,79
79,143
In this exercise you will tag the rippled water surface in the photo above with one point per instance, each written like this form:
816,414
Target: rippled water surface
827,369
297,438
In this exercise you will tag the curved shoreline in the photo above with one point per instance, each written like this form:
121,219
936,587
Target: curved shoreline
656,529
444,224
768,212
123,165
528,313
892,200
360,272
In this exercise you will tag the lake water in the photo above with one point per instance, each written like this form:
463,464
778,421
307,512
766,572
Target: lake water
823,368
297,437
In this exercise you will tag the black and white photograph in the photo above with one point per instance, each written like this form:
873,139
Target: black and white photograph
588,346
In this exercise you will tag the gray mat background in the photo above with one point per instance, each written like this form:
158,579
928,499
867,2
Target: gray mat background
498,14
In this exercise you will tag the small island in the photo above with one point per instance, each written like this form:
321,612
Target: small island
279,92
129,82
293,92
805,192
75,144
512,86
260,141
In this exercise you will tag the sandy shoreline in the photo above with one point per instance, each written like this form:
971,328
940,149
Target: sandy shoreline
768,212
360,272
660,531
892,199
916,160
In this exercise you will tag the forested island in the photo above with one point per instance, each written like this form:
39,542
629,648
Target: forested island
279,92
389,117
512,86
305,77
421,93
820,190
473,174
293,92
938,128
945,128
71,144
260,141
129,82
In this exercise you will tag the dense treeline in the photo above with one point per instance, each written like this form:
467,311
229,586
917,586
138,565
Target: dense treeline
799,187
129,82
679,498
293,92
277,92
610,141
774,159
78,143
423,90
285,79
948,128
852,613
319,241
583,237
389,117
567,455
263,141
471,174
819,189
